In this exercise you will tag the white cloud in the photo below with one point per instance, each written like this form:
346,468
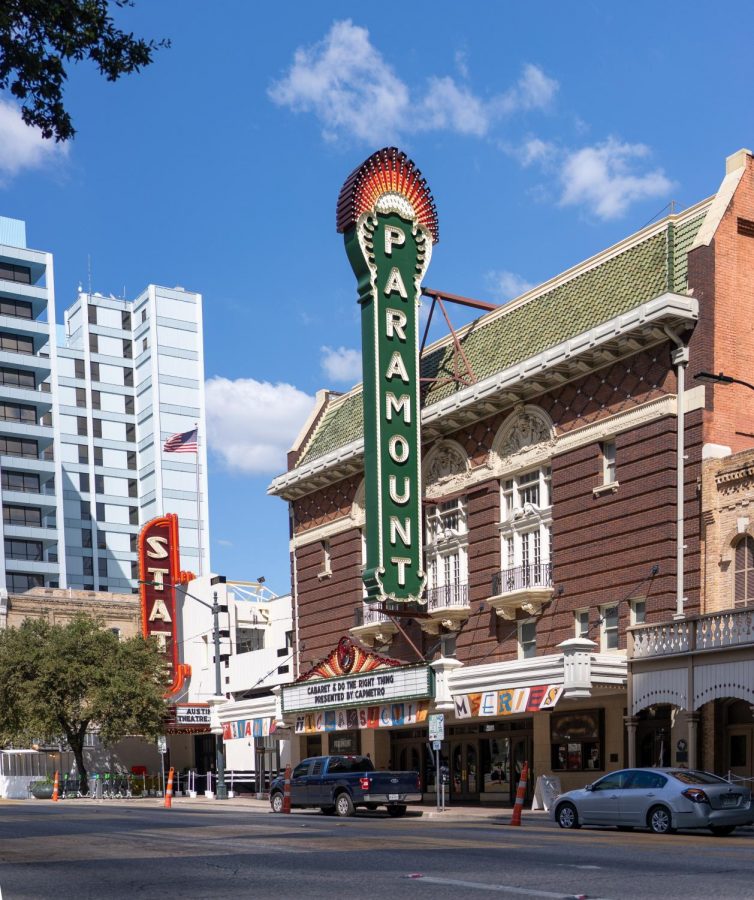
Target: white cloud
341,365
252,424
534,89
535,150
22,147
505,285
348,85
602,178
448,106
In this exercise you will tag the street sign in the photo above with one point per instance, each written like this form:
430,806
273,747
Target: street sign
162,744
437,745
437,727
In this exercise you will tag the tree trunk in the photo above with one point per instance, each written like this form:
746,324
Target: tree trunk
76,743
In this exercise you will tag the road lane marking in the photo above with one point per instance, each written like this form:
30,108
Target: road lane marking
500,888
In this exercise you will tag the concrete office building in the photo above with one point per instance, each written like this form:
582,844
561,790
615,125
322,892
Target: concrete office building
82,426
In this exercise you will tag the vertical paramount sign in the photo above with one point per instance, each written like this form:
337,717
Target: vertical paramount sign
389,222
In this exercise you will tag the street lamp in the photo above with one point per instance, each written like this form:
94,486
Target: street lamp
221,791
721,378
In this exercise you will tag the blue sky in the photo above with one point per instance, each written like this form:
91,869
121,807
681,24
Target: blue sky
546,131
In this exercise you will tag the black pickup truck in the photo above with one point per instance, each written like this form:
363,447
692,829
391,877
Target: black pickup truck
340,784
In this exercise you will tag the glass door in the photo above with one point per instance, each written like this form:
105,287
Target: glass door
521,752
464,770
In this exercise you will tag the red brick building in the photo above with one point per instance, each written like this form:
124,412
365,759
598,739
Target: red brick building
551,488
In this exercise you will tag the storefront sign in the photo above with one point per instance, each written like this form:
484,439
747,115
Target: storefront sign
379,686
246,728
389,222
383,716
159,572
192,715
508,701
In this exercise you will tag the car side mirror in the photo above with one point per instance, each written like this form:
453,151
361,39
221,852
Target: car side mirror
588,787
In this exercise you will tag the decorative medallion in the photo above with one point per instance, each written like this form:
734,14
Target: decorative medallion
389,222
348,658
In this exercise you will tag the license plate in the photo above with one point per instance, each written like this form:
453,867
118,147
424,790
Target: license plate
393,797
730,801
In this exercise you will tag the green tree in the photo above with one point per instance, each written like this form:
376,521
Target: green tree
58,680
39,38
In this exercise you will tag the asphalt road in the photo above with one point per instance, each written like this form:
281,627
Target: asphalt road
77,850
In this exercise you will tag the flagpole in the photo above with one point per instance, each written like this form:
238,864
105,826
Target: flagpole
198,502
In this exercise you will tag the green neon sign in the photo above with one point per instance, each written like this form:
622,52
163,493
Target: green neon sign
389,223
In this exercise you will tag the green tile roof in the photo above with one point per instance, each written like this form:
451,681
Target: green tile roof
494,342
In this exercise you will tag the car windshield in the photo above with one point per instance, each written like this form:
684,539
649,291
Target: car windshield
687,776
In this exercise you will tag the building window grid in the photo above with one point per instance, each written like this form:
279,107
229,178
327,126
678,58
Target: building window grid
447,538
581,621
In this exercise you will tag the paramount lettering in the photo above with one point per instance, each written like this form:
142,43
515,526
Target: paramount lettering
388,219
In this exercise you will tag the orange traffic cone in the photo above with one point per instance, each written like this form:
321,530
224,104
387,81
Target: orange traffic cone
56,788
169,790
287,790
520,794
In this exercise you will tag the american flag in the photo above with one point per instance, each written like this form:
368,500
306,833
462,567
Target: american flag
186,442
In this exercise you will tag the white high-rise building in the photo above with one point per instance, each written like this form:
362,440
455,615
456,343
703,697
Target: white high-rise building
131,374
83,420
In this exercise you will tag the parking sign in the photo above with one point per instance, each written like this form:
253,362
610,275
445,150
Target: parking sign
437,727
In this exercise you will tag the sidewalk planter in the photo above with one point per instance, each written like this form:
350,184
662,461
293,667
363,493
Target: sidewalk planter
42,790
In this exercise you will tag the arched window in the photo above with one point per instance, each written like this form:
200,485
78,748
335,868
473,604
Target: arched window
744,572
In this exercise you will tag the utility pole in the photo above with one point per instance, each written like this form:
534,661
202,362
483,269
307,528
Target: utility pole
221,790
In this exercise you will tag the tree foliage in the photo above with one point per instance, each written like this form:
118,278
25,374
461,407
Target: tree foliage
39,38
58,680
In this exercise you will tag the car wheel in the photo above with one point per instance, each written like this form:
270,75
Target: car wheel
276,802
343,806
722,830
567,817
396,811
327,810
659,820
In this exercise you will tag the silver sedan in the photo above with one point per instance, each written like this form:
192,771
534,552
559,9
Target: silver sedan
659,799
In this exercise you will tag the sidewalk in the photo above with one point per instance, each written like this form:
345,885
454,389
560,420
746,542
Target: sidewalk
457,812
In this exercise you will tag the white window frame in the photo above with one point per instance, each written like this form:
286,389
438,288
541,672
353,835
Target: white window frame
326,571
606,631
579,616
639,618
447,537
609,461
522,648
521,519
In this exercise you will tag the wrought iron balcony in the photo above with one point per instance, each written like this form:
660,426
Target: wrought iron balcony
522,577
524,587
713,631
456,594
372,625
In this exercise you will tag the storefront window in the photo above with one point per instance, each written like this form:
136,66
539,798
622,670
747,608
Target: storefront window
495,760
346,742
576,741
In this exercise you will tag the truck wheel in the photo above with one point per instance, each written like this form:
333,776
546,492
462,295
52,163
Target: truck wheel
343,805
373,806
396,812
276,802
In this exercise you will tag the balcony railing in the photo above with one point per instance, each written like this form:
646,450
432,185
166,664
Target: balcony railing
448,595
368,614
713,631
521,578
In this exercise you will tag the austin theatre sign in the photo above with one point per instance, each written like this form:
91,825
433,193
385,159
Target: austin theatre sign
389,222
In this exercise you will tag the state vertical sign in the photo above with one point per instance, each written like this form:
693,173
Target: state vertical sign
389,222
